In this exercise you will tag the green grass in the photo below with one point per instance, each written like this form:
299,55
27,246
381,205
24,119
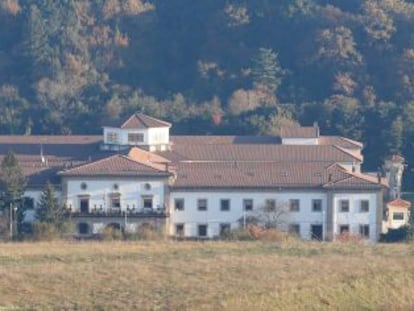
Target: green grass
205,276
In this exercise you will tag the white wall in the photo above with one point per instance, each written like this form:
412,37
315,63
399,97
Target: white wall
354,218
299,141
213,217
131,191
152,136
158,136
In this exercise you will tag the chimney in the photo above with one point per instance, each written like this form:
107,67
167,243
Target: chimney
316,126
379,177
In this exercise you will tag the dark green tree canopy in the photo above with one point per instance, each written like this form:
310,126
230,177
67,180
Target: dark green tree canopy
13,182
48,208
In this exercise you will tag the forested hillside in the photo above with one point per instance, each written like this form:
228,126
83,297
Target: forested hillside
212,66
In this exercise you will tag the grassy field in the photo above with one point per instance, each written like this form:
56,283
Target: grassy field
205,276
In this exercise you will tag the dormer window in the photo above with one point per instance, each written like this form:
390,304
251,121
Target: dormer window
134,138
112,137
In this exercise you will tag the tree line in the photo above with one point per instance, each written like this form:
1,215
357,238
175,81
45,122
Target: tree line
212,67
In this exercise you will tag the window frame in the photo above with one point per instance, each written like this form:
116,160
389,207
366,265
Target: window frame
145,199
112,137
224,228
248,202
179,232
362,208
224,208
140,138
179,204
364,230
344,229
294,205
320,205
399,214
200,207
341,206
199,226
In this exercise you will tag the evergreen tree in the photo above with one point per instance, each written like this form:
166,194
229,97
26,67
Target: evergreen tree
267,73
49,210
394,139
12,180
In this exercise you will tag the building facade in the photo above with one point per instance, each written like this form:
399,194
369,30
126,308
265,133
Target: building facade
202,186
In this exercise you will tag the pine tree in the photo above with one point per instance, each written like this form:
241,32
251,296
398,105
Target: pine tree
266,70
49,210
12,180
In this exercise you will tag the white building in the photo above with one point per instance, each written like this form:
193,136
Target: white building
200,186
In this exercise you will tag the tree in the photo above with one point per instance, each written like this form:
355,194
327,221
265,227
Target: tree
271,215
48,209
13,184
267,73
12,179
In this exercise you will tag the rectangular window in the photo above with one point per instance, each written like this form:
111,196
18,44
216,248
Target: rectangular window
202,231
116,202
270,204
179,204
202,204
294,205
247,205
179,230
317,205
364,231
225,229
112,137
344,206
224,204
135,137
364,207
294,229
343,229
398,216
84,205
147,202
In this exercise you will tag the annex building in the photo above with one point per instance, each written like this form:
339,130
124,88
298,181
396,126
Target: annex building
136,174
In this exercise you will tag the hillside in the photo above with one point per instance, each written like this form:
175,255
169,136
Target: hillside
205,276
70,66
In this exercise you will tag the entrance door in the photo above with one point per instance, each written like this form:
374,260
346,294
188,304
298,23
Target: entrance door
84,206
317,232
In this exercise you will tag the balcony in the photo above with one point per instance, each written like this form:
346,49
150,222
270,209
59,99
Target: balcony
118,212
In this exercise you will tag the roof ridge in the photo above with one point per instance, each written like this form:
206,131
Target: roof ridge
347,152
152,118
90,163
153,166
352,141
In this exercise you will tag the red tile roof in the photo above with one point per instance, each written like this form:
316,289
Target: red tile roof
142,121
400,203
116,165
340,141
260,152
267,175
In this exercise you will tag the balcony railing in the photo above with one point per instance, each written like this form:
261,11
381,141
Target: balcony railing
117,212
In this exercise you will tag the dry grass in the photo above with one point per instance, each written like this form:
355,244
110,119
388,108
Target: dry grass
205,276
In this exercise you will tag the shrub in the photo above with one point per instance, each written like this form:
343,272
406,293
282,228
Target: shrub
110,233
145,232
348,237
44,231
402,234
238,234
